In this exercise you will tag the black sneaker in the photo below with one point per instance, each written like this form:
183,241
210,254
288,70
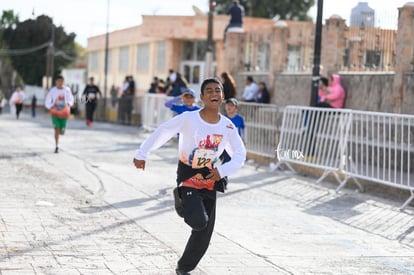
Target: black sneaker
178,204
56,150
181,272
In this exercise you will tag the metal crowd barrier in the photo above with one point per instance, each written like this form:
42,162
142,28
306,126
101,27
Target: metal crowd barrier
154,112
262,122
381,149
358,145
349,144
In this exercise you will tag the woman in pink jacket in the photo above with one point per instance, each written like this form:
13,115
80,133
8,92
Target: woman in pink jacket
333,95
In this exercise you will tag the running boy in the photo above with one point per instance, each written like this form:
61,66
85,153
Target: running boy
58,100
203,136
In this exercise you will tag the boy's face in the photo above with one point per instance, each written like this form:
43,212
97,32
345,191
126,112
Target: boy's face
188,99
230,108
212,95
59,83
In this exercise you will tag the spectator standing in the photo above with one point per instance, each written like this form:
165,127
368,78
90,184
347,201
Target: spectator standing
153,85
180,84
250,90
263,94
114,95
34,103
129,99
229,85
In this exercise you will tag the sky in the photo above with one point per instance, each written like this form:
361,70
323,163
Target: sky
88,18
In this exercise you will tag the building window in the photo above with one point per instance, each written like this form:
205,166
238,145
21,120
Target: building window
293,64
373,59
123,59
143,57
263,57
195,51
93,61
161,56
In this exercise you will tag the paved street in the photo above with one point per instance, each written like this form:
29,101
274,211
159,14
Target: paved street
87,210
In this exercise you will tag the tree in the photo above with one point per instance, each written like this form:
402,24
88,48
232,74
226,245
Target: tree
30,42
8,20
281,9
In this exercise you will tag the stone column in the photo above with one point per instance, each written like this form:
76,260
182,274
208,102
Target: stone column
279,47
404,59
234,50
333,44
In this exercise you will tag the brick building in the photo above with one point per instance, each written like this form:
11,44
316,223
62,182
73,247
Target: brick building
375,64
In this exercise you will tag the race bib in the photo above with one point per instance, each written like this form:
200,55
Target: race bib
91,96
203,158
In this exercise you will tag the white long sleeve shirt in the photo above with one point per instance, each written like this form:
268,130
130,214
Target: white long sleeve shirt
17,97
250,92
59,97
200,143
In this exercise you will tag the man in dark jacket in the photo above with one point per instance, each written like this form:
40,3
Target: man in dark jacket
236,13
91,95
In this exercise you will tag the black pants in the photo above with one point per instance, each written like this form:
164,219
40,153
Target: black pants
90,109
19,108
199,213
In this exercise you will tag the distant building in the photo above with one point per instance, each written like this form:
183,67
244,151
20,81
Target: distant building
362,15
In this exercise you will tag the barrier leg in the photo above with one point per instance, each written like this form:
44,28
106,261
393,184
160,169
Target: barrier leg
324,175
275,167
407,202
360,187
347,177
342,184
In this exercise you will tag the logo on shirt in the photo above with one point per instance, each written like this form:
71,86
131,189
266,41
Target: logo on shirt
230,126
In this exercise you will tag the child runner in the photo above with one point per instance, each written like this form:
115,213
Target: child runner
204,134
58,100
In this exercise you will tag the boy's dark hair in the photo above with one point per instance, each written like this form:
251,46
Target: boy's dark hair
210,80
59,77
324,80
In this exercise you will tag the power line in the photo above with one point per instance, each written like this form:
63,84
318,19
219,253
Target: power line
65,55
15,52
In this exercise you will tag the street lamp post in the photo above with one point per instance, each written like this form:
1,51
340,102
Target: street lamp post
209,52
317,56
106,61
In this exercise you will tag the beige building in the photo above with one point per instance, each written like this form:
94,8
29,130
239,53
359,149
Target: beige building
371,61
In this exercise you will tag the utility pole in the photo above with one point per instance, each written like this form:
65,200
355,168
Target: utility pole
52,56
106,60
50,60
209,53
317,56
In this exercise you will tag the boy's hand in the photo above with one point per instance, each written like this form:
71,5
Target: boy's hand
139,164
214,175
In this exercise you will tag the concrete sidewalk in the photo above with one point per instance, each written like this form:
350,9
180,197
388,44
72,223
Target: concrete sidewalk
87,210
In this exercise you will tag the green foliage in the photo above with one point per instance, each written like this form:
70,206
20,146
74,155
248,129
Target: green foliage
8,20
30,34
280,9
